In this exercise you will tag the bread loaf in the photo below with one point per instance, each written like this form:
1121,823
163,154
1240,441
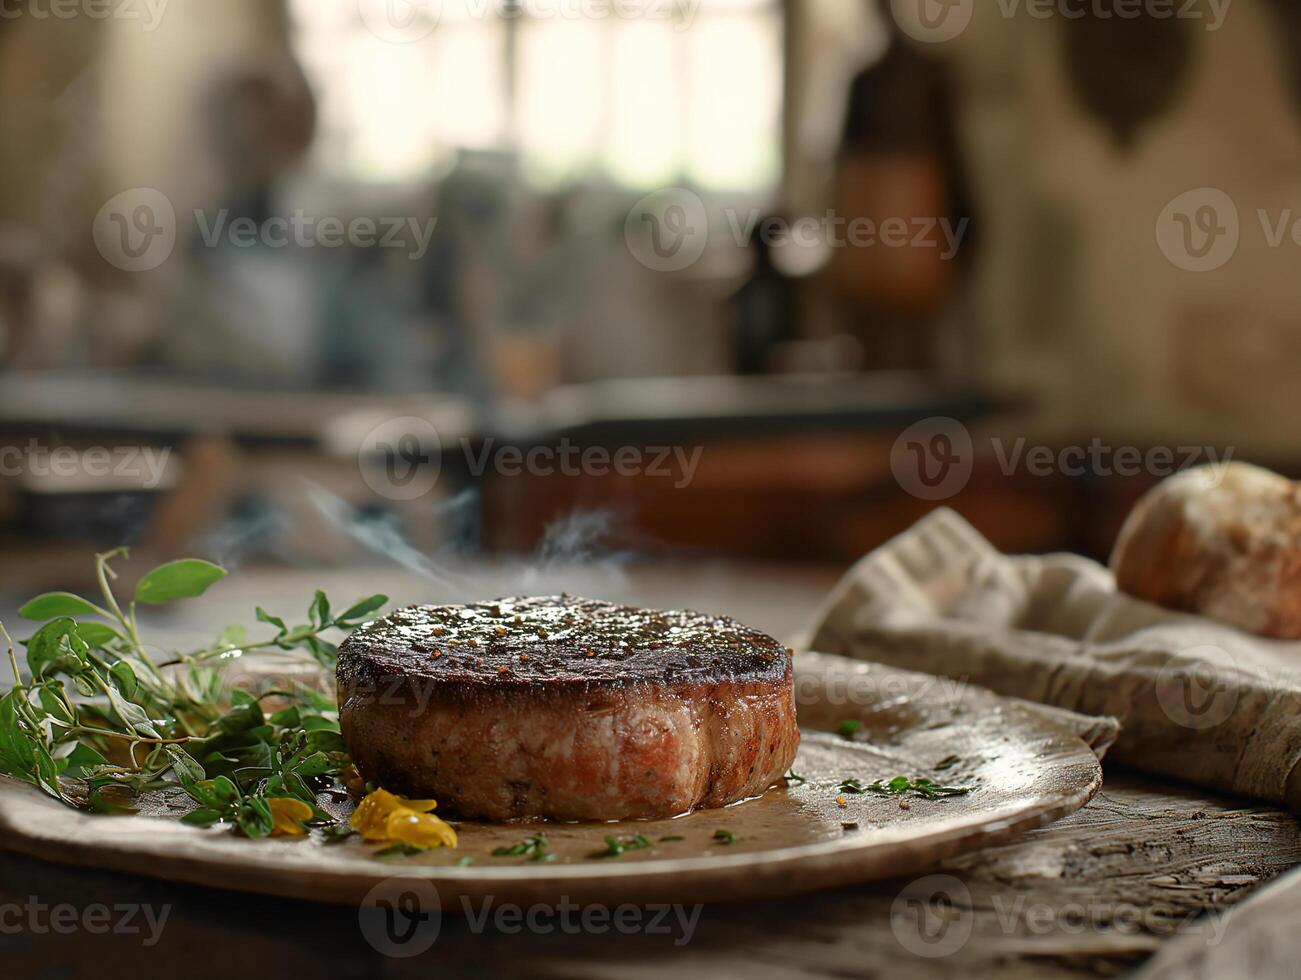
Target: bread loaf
1223,541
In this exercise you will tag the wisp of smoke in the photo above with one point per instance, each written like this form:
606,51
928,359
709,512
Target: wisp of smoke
573,554
245,532
380,534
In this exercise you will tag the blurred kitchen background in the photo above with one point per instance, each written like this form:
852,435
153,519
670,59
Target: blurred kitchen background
310,404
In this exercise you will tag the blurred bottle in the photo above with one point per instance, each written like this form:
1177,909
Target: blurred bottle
764,310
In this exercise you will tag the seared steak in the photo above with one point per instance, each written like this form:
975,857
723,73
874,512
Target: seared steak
566,708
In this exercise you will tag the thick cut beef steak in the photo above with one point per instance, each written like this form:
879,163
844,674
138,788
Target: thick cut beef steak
567,709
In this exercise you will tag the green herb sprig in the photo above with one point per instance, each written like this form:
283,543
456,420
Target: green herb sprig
97,721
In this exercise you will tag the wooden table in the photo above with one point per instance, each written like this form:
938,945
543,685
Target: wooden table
1095,894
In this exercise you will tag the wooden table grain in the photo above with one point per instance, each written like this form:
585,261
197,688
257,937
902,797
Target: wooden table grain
1093,895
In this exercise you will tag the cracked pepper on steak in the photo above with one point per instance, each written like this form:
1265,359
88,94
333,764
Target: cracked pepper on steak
566,708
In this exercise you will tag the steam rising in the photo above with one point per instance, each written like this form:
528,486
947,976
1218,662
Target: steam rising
242,534
381,535
574,554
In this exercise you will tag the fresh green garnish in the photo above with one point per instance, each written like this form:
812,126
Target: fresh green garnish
725,837
615,848
671,838
948,762
848,728
336,832
185,579
99,721
400,849
794,779
535,847
902,785
465,862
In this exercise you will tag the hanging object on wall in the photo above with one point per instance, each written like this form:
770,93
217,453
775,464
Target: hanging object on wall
1126,71
1288,13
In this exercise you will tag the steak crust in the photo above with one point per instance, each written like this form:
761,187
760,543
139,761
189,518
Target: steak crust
567,709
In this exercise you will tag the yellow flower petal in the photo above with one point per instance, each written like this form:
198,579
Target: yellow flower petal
288,815
420,829
383,816
420,806
373,810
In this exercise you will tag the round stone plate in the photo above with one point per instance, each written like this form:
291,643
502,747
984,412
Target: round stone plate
1024,767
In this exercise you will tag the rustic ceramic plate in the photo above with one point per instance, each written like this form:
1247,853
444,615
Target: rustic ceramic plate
1023,768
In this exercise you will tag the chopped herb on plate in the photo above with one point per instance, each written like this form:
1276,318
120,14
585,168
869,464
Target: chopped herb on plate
901,785
534,847
616,848
848,728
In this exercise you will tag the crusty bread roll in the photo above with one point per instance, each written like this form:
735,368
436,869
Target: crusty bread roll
1223,541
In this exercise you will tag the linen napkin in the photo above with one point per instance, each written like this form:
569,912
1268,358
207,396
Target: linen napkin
1197,700
1259,939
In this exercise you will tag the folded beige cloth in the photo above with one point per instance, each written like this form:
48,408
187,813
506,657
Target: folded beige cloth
1259,940
1197,700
